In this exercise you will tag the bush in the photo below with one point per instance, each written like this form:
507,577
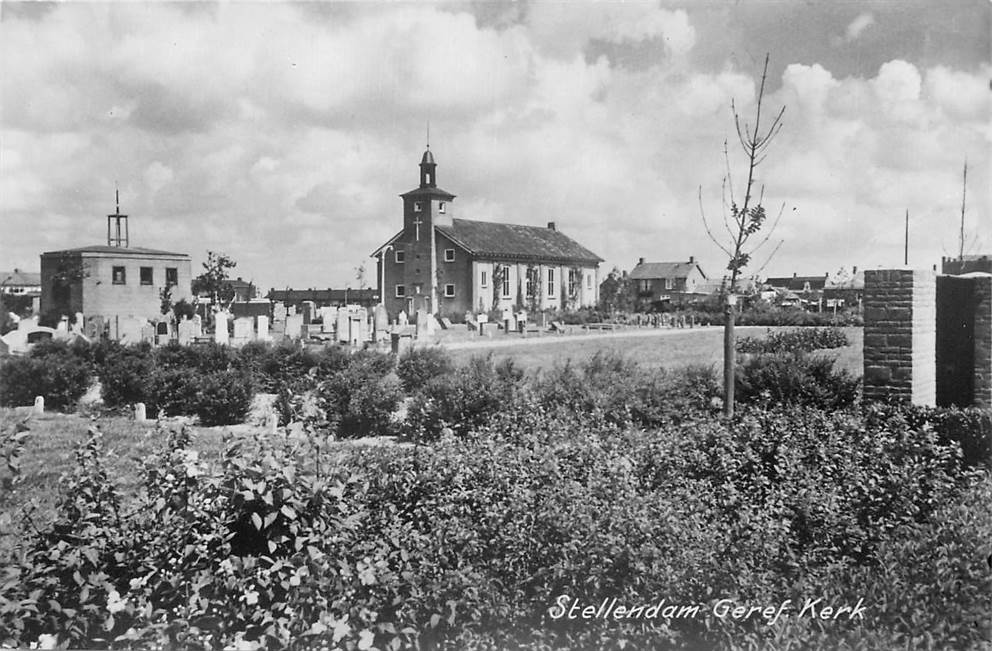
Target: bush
970,427
795,379
417,366
361,396
804,340
223,398
61,379
172,391
124,373
463,399
471,542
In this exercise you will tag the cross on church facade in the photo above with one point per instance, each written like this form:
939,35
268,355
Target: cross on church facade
417,223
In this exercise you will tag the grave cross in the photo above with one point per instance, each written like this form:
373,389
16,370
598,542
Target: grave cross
417,223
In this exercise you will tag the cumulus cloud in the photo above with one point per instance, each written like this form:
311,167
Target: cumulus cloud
282,134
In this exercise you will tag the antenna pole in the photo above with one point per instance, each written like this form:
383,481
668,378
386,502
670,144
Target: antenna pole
905,250
964,193
428,134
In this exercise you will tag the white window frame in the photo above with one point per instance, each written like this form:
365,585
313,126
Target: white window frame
551,282
484,279
669,284
588,281
449,290
449,255
505,293
400,291
418,206
399,256
440,206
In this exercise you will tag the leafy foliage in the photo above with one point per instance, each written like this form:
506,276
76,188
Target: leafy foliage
416,366
804,340
55,373
795,379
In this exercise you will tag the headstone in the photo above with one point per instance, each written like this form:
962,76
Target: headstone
221,335
309,311
342,325
272,422
79,326
197,325
329,317
380,321
62,326
402,319
424,324
186,331
39,406
244,331
129,330
279,312
94,327
400,342
262,323
446,323
148,333
294,326
139,412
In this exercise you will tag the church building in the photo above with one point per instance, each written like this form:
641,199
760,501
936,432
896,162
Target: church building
449,266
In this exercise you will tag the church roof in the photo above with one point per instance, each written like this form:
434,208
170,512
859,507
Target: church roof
117,250
428,158
429,191
516,241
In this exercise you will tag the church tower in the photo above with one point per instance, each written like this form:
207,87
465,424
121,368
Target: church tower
424,208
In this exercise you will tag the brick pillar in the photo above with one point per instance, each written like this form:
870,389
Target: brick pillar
983,342
900,343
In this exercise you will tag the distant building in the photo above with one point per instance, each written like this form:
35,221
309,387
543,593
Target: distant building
324,297
448,266
20,282
966,264
664,285
114,279
244,290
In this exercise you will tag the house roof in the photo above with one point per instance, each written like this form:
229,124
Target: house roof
429,191
117,250
797,283
516,241
652,270
17,278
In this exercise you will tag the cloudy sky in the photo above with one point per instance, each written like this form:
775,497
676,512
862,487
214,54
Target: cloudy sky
281,134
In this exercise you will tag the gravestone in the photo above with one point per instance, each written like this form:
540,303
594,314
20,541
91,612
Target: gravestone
329,317
279,312
294,326
342,325
197,325
423,324
129,329
186,331
140,414
309,311
244,331
95,327
402,319
262,323
221,335
39,406
162,333
148,333
380,322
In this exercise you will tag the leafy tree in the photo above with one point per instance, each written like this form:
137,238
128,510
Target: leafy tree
743,222
214,282
616,292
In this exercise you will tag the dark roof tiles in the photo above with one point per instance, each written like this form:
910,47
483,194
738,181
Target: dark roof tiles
517,242
119,250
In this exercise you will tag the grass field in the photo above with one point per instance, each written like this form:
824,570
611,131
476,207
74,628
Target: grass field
661,348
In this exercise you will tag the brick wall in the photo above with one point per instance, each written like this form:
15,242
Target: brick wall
982,378
900,335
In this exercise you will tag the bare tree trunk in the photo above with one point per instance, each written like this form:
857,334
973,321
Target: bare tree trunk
729,358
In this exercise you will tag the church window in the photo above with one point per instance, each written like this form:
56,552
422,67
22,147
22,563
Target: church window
440,206
551,282
506,282
571,282
400,291
400,257
119,276
588,281
417,206
449,255
485,279
449,290
145,275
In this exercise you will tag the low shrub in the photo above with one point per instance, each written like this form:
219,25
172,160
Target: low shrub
172,391
795,379
804,340
223,398
124,373
970,427
416,366
362,395
60,379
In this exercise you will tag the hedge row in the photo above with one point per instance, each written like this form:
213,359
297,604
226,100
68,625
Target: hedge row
802,340
480,541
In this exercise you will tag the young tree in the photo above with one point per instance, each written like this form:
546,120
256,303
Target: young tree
743,222
615,293
214,281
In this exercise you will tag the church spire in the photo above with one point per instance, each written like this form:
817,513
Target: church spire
428,175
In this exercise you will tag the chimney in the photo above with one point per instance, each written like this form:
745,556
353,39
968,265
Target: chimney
640,261
552,227
854,269
692,259
624,275
793,274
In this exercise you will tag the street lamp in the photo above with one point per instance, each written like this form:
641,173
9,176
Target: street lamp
382,272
